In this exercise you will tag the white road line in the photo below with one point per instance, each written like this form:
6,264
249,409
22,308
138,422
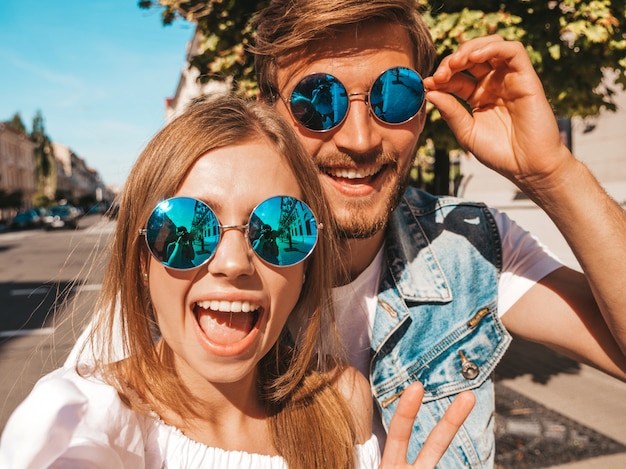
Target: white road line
43,290
91,287
25,332
29,291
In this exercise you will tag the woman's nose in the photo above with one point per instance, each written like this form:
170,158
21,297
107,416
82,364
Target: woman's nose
233,256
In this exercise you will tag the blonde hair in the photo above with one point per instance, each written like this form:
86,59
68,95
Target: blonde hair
289,29
295,385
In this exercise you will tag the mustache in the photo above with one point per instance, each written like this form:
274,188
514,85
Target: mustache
343,159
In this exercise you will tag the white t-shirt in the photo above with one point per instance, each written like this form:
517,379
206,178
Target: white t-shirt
525,261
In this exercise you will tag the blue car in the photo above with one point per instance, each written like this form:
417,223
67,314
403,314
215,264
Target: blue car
26,219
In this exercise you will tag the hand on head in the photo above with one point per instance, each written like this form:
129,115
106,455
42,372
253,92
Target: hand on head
511,119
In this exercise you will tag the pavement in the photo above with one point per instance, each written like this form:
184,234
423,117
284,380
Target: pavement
551,411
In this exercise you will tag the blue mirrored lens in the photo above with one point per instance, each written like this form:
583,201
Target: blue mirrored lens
182,232
283,230
319,102
397,95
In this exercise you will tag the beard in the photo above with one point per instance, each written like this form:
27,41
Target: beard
363,218
361,223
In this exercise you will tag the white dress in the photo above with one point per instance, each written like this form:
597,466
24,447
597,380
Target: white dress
71,421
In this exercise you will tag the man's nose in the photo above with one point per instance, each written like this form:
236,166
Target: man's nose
359,133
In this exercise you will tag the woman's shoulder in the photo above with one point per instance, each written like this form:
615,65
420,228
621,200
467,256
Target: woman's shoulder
69,416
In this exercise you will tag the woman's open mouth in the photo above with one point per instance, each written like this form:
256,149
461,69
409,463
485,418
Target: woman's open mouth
226,322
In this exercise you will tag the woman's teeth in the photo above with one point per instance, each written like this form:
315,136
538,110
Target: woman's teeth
228,306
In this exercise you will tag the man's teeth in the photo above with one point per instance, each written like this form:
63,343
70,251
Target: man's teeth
352,173
228,306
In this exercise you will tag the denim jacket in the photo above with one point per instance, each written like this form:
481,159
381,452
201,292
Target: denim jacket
436,320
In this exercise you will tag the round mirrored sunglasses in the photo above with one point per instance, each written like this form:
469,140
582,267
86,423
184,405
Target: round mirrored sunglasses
320,101
183,233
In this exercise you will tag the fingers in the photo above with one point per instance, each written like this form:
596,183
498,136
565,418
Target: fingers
459,72
442,435
401,426
454,114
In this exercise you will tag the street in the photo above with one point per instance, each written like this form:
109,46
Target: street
42,274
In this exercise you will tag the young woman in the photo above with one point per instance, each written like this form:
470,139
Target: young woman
214,374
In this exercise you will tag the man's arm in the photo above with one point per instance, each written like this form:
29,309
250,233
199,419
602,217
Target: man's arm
512,130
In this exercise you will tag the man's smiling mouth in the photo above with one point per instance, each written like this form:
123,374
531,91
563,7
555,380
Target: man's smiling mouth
353,173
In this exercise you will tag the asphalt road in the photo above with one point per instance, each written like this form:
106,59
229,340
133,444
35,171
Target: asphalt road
48,282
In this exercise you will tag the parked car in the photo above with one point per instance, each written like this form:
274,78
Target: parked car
26,219
61,216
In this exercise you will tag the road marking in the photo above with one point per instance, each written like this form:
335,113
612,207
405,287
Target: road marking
29,291
91,287
43,290
26,332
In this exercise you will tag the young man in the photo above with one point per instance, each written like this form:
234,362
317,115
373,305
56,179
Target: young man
435,283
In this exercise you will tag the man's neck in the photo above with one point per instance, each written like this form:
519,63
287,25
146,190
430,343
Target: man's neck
357,254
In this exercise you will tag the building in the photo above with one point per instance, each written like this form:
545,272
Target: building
75,181
188,85
17,170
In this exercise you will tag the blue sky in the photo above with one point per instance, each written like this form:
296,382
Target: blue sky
98,70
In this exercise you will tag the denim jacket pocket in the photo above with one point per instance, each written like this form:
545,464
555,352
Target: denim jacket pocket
462,360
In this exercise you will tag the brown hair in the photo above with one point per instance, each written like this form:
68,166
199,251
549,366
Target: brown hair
294,28
297,390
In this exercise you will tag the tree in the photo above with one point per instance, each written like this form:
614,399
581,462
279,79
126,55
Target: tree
44,154
226,35
572,44
16,123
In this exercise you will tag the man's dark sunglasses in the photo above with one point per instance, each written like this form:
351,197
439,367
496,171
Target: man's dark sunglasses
320,101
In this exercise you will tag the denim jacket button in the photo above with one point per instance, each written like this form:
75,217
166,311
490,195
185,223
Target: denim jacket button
469,369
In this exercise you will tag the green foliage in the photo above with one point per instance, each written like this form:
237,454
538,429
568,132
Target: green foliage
41,200
16,123
44,156
226,35
572,43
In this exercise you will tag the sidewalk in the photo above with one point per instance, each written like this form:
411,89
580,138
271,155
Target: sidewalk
552,412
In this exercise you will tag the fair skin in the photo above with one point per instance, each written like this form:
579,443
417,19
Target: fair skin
360,143
219,365
355,387
580,315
